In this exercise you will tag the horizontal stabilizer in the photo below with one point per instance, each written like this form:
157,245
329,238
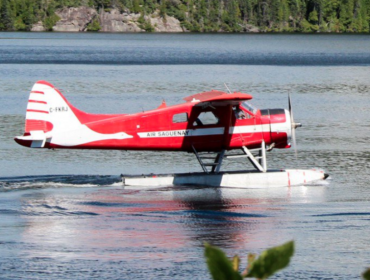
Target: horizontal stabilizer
36,139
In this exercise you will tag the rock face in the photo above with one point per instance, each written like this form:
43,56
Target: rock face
170,24
38,27
114,21
78,19
251,28
74,19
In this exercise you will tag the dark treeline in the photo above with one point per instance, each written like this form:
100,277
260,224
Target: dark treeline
209,15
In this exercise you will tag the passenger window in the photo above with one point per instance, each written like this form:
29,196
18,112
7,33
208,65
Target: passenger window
180,118
206,118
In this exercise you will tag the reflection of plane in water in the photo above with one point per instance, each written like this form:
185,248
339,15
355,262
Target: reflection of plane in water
211,122
229,218
132,224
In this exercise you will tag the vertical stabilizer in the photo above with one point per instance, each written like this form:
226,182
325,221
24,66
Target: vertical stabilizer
51,121
47,111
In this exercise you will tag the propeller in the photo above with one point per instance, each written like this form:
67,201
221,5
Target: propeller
294,125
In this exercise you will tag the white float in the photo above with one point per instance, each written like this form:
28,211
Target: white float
235,179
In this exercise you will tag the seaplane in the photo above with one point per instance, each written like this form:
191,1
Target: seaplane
213,125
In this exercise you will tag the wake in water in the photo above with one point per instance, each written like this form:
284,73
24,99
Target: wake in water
56,181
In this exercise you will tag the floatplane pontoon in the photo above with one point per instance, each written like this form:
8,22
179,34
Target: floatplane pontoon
212,125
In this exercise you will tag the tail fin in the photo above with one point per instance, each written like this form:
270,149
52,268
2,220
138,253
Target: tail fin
47,110
49,115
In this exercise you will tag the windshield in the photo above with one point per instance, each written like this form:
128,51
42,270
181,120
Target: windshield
249,107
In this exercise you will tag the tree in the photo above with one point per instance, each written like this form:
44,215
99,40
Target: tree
94,25
6,21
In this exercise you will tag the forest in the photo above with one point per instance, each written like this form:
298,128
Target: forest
306,16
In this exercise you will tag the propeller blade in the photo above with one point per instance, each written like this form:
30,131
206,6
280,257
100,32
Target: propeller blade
294,126
291,111
294,142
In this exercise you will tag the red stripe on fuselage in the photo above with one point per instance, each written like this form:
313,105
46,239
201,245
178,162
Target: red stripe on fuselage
36,101
37,111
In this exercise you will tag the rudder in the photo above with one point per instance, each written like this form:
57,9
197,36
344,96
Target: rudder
48,110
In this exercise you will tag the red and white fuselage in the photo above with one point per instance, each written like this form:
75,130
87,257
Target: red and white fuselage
208,121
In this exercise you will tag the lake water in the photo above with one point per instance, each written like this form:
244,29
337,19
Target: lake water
65,215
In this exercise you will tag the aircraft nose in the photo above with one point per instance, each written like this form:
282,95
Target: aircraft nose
295,125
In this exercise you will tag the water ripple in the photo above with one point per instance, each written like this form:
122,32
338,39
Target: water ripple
55,181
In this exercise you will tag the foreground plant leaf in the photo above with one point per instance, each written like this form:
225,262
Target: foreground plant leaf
250,259
236,263
366,274
220,267
271,260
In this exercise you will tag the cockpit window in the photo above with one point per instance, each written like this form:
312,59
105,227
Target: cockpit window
206,118
249,107
240,114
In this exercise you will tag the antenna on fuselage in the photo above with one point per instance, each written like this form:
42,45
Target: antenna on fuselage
227,88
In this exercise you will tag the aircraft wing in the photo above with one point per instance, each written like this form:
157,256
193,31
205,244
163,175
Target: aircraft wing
218,98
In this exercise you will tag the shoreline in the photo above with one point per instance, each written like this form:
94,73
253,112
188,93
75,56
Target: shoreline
114,20
190,33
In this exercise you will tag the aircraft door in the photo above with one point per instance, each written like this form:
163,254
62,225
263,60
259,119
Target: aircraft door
207,128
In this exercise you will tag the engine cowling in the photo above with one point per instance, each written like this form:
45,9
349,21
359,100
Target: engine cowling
279,121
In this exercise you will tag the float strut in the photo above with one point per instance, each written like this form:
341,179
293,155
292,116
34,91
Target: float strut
258,162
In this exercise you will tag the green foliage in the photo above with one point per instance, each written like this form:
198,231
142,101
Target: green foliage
219,265
145,23
141,19
209,15
136,8
19,24
6,20
50,21
366,274
94,25
268,263
163,8
313,17
148,27
272,260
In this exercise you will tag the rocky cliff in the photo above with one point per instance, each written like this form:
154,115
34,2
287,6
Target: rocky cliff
74,19
114,21
168,24
79,19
